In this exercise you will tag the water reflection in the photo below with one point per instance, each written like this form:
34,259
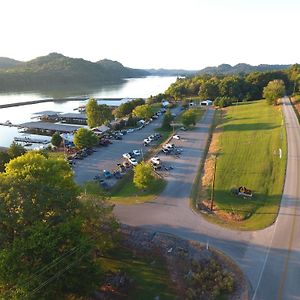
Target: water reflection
130,88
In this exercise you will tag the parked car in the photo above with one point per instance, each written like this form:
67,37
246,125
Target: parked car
127,155
130,130
136,152
106,174
156,167
183,128
117,175
176,137
147,141
133,161
120,167
155,160
126,164
165,151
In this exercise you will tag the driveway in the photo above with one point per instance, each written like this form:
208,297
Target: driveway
269,258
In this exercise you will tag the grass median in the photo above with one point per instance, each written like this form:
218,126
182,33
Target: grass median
126,192
249,155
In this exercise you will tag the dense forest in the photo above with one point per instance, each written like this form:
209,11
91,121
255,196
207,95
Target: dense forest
57,70
243,87
221,69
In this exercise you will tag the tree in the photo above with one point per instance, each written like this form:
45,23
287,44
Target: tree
143,176
189,118
85,138
56,255
4,159
56,139
166,124
209,90
143,112
49,236
273,91
34,189
97,114
15,150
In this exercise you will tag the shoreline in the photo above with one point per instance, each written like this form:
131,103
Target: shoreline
56,100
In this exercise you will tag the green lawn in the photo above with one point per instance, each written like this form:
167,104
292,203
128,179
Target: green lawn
150,275
249,155
125,192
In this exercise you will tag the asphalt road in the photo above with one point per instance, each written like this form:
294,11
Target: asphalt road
269,258
106,158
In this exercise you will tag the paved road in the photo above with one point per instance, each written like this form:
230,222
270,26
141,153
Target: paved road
270,257
106,158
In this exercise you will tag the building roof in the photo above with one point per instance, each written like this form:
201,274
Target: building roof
49,126
47,112
101,128
73,116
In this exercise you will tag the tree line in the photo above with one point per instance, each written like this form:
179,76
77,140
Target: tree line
233,87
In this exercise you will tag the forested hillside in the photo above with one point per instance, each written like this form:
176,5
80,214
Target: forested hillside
57,70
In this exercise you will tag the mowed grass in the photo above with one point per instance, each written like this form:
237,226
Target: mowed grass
150,275
125,192
249,156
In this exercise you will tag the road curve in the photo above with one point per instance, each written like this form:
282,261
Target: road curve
269,258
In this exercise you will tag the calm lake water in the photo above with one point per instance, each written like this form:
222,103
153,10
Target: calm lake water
130,88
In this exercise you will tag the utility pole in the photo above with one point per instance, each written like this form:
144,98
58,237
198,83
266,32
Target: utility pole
213,184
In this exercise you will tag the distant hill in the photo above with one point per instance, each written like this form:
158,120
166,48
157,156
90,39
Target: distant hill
241,68
171,72
58,71
6,62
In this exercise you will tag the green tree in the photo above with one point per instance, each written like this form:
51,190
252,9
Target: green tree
52,255
4,159
56,139
143,112
85,138
97,114
189,118
166,123
209,90
49,236
143,175
34,189
15,150
273,91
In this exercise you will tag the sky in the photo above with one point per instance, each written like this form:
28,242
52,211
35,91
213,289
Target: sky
185,34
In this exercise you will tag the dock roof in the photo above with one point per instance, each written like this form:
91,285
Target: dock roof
73,116
47,112
49,126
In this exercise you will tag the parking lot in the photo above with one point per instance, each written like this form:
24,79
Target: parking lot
106,158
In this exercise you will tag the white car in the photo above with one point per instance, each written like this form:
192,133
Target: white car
147,141
155,159
136,152
133,161
130,130
126,155
176,137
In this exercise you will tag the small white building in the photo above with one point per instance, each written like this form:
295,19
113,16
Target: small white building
206,103
165,103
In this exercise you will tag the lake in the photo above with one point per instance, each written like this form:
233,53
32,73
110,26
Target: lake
130,88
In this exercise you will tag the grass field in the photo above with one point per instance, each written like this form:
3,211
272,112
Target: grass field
127,193
252,134
150,275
